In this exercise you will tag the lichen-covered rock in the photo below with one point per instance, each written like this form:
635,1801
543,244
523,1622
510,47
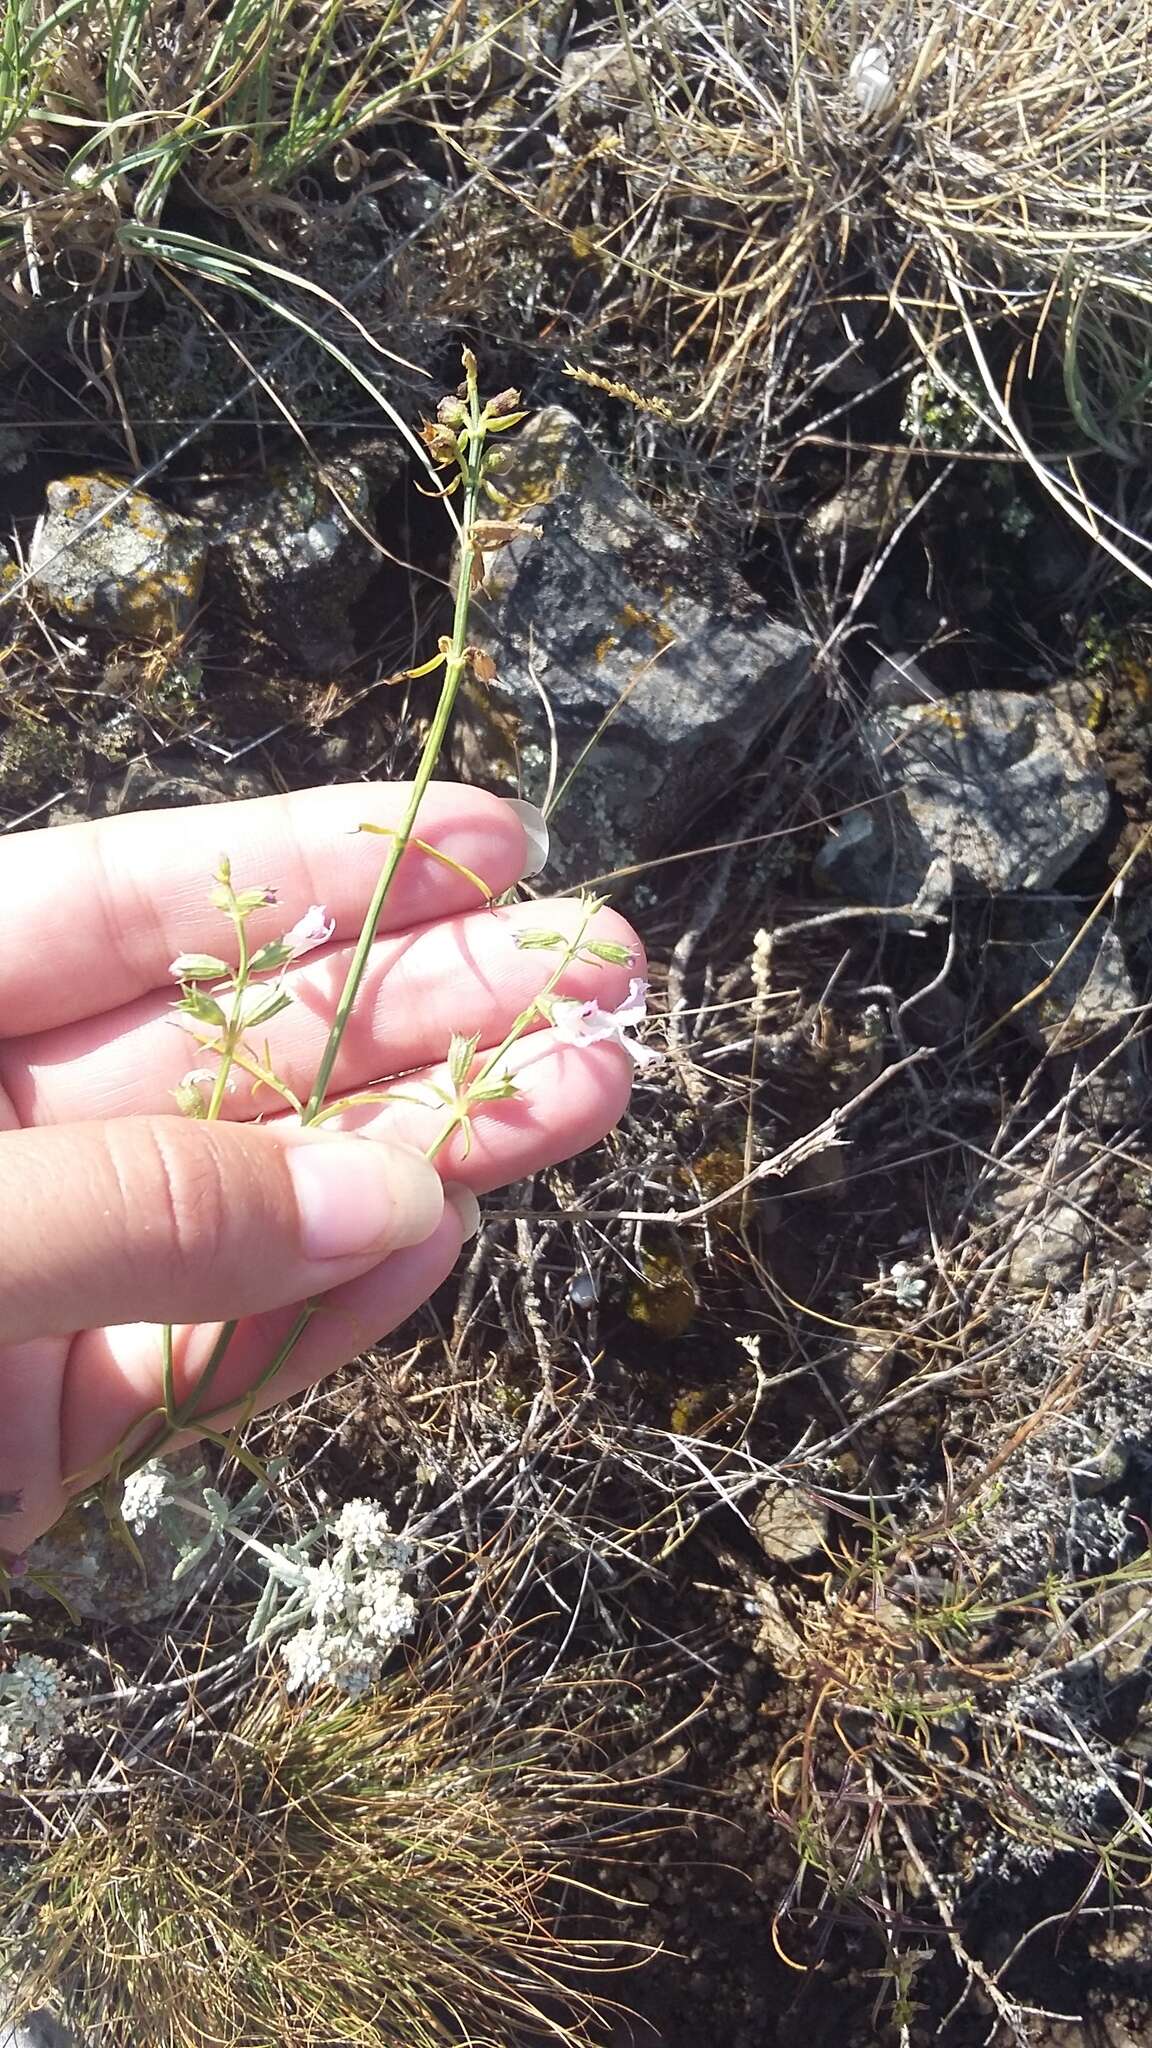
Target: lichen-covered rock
295,549
38,2029
168,782
897,680
661,667
598,89
987,791
132,567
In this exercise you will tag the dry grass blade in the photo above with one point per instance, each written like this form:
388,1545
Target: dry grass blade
377,1871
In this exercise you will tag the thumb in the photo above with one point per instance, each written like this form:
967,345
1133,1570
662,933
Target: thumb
165,1220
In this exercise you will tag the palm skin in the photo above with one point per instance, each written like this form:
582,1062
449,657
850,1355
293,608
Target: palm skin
119,1215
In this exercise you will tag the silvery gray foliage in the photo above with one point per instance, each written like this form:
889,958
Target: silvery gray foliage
339,1618
334,1601
157,1493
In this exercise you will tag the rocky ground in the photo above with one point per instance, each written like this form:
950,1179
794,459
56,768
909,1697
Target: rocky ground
810,1416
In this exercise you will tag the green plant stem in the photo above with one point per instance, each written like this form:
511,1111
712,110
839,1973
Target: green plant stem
167,1369
190,1412
235,1026
455,662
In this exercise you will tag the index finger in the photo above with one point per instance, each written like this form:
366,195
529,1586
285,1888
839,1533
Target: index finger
94,913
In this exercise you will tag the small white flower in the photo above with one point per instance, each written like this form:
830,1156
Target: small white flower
352,1607
144,1493
34,1713
587,1024
315,928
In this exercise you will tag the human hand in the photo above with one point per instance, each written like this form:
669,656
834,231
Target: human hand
119,1215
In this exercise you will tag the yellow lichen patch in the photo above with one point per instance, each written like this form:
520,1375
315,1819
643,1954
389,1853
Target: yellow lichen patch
1094,716
604,646
664,1299
940,714
713,1174
631,619
690,1408
582,245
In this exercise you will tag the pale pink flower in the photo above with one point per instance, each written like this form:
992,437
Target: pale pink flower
587,1024
315,928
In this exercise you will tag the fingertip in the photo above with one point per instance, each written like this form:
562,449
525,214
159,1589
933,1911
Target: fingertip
463,1201
478,829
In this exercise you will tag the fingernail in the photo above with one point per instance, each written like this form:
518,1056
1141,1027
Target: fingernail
467,1208
355,1196
535,827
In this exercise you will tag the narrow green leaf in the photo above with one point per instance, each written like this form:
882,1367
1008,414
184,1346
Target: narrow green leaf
501,1090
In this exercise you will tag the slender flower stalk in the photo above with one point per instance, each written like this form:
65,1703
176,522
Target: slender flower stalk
457,440
459,436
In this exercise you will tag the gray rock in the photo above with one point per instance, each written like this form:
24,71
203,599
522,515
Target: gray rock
1051,1250
1053,556
860,516
1080,1016
1082,697
776,1639
135,571
16,445
898,680
1048,1226
1116,1629
1090,994
296,549
36,2030
789,1525
598,89
661,667
988,791
499,45
97,1573
868,1366
165,785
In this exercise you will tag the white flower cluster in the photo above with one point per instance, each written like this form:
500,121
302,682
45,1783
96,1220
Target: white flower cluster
34,1709
356,1604
144,1493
